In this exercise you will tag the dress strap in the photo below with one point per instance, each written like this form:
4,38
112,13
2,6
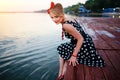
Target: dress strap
65,22
70,21
62,34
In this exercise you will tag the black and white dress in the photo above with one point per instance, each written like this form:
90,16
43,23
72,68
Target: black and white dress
87,54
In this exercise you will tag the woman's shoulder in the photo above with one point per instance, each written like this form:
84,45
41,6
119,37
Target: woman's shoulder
69,21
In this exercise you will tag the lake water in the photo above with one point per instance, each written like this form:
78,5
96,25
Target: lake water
28,43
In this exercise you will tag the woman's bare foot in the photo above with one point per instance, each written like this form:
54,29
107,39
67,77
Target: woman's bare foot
61,77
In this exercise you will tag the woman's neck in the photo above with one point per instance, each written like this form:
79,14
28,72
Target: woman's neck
64,19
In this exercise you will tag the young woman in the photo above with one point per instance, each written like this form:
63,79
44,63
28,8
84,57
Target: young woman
80,49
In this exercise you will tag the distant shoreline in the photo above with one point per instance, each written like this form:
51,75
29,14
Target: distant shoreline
22,12
41,11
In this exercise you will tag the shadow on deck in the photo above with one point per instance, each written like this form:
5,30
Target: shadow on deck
106,35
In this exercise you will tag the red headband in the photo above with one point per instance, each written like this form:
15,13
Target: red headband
51,6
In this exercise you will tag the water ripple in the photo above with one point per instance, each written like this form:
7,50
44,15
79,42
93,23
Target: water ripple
31,62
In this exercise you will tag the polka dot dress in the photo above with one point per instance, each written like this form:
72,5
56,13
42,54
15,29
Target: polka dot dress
87,54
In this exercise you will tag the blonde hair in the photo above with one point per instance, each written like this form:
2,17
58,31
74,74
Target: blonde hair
57,10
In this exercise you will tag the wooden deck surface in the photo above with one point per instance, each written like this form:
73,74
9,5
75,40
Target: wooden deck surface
106,35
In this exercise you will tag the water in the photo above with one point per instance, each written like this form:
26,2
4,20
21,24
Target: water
28,43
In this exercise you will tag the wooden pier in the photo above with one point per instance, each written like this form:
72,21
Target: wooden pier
106,36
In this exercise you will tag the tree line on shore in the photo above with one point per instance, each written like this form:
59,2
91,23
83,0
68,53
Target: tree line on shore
93,5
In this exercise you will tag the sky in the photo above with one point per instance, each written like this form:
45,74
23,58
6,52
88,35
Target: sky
31,5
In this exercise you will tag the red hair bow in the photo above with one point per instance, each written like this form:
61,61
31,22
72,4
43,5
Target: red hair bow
51,6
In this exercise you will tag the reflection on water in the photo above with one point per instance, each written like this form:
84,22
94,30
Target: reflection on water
21,24
28,43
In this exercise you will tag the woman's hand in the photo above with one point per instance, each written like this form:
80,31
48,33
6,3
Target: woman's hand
73,61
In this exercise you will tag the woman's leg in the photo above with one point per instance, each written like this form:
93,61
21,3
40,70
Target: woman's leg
61,61
64,68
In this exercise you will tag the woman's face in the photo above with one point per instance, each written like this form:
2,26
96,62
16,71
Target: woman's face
56,19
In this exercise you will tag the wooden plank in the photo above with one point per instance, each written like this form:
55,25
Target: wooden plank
101,42
109,70
112,41
69,75
113,30
114,44
80,72
111,26
97,73
114,57
87,72
74,73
